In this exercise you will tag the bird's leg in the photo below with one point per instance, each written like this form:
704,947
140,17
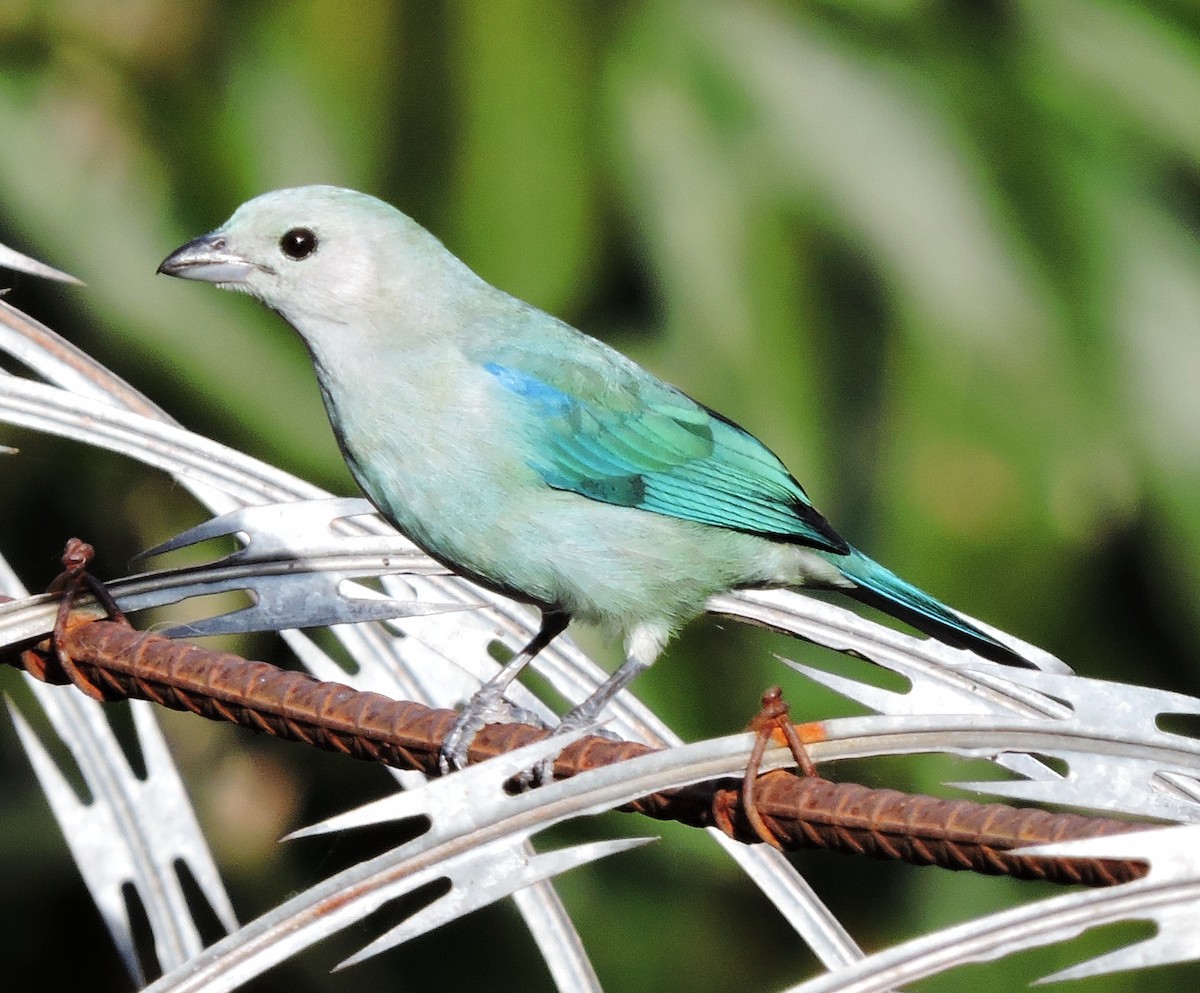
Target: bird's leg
585,714
642,647
589,710
488,705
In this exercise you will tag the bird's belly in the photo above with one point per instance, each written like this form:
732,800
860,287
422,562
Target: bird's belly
501,525
467,511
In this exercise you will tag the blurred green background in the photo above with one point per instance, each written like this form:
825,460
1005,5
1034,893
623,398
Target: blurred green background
941,256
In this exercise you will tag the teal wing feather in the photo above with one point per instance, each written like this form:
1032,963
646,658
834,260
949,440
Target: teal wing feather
616,437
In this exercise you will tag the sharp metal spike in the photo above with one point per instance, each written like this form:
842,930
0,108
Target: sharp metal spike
12,259
496,873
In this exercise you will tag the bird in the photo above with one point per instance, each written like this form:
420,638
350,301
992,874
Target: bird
526,455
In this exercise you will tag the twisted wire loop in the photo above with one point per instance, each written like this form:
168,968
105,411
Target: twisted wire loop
772,716
794,811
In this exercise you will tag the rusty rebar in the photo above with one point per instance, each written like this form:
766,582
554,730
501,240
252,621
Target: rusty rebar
796,811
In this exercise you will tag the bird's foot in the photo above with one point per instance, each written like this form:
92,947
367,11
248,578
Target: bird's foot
586,715
487,706
580,718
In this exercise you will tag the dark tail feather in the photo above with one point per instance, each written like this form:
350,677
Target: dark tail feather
881,588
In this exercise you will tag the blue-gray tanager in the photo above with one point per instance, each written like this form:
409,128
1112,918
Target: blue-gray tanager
524,454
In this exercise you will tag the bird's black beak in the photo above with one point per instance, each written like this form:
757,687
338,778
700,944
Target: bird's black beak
207,258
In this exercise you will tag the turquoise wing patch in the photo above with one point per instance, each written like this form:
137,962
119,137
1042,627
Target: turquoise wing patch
670,456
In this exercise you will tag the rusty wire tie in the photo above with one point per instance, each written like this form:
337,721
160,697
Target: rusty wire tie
109,660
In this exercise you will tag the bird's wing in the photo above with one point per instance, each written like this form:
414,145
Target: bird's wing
615,434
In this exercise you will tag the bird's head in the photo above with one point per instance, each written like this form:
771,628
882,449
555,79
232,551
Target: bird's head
323,257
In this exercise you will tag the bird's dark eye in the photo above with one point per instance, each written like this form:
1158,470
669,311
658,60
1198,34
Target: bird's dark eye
299,243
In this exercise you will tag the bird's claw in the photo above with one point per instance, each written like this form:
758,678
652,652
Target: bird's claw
457,744
487,706
580,718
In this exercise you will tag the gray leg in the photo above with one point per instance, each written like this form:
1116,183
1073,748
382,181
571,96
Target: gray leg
488,705
585,715
590,710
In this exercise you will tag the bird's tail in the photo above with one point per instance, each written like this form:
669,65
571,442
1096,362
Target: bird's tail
882,588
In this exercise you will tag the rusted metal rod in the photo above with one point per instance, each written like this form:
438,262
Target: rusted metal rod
796,811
